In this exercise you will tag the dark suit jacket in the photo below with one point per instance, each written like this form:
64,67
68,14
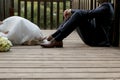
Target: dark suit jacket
96,30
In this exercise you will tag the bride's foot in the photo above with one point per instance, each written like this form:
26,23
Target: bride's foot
31,42
51,44
42,39
1,22
49,38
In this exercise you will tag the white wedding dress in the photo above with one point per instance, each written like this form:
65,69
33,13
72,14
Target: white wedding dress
20,30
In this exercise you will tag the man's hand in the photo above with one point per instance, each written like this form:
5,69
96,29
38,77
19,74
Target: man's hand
67,13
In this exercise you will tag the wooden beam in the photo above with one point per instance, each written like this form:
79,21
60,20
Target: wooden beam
116,40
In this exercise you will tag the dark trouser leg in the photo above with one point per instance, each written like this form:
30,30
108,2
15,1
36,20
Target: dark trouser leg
70,25
59,28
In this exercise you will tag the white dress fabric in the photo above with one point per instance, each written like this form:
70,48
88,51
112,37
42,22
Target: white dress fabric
20,30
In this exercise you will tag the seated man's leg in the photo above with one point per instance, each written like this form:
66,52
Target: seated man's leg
70,25
86,31
77,19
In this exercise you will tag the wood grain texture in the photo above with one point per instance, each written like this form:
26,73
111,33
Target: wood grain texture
75,61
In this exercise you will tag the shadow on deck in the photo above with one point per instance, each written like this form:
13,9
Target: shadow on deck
76,61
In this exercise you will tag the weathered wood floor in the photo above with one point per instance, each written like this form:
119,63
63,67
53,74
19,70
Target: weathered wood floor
76,61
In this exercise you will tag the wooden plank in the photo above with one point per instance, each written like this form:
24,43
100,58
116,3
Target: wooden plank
40,58
59,54
60,64
73,62
51,79
59,70
62,75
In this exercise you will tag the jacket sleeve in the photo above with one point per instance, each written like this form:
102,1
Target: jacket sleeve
99,11
74,10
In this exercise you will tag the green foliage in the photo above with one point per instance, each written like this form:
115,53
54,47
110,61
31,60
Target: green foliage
42,14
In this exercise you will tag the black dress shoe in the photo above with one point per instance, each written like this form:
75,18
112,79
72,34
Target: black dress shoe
51,44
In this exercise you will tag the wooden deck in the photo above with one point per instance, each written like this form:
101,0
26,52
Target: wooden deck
76,61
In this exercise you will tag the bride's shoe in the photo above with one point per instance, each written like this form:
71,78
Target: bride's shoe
51,44
49,38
